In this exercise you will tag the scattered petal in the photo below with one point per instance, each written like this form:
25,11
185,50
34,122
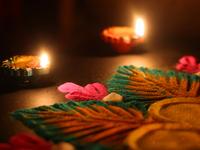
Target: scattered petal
95,91
70,87
25,141
188,64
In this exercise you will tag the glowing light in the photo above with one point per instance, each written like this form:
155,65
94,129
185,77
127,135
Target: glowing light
44,61
139,29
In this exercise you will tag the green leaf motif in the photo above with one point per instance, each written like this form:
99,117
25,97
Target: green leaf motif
143,84
85,122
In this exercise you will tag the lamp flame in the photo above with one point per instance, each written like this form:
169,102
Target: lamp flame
44,61
139,29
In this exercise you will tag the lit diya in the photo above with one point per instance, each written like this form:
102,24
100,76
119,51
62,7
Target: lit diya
123,39
23,66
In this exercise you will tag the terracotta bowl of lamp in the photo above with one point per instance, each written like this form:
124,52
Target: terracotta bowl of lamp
122,39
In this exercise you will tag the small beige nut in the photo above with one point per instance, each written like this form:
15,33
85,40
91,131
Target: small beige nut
63,146
113,97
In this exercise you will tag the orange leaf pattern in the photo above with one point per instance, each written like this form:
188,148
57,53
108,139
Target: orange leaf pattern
153,84
85,122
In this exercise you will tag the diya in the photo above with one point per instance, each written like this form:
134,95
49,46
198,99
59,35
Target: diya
123,39
25,68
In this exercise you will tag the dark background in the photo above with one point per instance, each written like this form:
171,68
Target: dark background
69,32
29,25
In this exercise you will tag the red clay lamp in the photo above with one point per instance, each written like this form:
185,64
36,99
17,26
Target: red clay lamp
123,39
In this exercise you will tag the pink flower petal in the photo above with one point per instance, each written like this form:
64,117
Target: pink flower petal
188,64
95,91
180,66
5,146
70,87
91,89
24,141
76,94
100,88
188,60
198,66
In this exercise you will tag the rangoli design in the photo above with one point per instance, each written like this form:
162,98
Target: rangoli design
143,84
85,122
